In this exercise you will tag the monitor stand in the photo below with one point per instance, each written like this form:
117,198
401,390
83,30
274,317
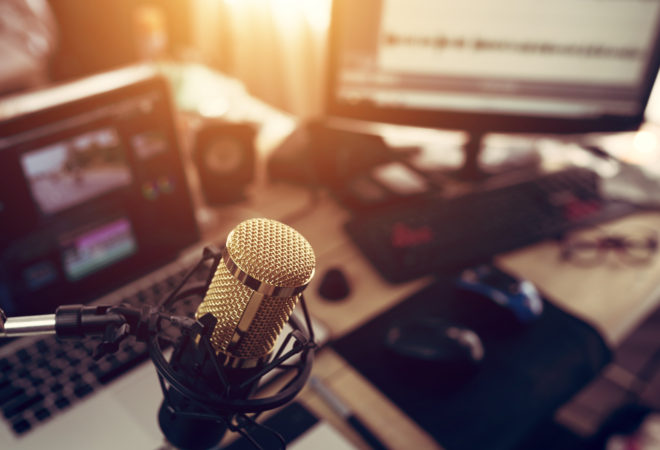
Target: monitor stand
472,170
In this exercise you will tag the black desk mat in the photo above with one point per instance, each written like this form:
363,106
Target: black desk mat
526,374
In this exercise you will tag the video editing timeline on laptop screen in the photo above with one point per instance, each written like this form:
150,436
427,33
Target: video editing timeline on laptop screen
92,192
482,63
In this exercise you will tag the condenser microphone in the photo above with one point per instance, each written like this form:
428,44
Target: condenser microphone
264,267
220,356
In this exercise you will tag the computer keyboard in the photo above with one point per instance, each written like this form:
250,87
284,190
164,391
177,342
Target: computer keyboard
418,238
40,377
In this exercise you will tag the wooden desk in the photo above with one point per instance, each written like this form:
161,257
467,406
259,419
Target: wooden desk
612,297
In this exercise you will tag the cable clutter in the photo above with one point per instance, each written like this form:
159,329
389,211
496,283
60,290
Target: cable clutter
201,396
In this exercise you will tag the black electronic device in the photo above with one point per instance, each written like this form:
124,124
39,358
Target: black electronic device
93,191
358,167
318,154
93,196
434,351
451,233
517,300
224,155
559,67
489,68
334,285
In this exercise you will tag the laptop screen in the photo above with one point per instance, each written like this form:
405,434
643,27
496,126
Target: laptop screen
92,189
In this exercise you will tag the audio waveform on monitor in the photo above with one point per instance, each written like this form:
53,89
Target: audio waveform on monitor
442,42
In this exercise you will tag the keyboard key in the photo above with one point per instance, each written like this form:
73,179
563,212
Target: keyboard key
42,362
94,368
9,393
121,367
62,402
74,362
158,289
42,346
20,404
172,281
142,297
42,414
23,355
21,426
82,390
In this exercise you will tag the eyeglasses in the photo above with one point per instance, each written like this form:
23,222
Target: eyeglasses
632,246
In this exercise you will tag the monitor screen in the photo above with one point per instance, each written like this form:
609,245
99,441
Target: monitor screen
478,65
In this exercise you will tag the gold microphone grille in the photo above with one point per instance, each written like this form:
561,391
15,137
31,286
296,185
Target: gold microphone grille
226,298
249,322
272,252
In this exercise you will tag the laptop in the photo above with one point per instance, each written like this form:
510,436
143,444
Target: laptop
94,208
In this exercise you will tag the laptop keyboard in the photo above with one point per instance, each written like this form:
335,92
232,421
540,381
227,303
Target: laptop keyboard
47,375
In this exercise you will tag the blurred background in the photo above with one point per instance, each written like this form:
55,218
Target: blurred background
276,51
275,47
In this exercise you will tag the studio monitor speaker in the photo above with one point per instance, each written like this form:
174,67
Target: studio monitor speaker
224,155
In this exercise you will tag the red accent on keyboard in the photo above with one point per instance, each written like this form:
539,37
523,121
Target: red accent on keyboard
578,209
404,236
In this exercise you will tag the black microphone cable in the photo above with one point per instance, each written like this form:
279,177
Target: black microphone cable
206,385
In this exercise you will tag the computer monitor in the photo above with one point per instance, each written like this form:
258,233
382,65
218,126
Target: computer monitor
482,66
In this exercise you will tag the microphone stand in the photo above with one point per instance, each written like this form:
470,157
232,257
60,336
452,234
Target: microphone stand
201,399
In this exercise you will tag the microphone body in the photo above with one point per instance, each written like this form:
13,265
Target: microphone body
264,267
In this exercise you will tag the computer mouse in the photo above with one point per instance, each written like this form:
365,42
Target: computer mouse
428,348
518,298
334,285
